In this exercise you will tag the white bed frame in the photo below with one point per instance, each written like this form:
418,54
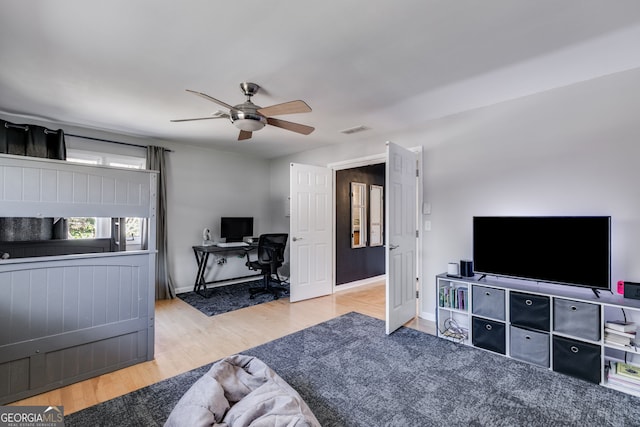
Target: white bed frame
71,317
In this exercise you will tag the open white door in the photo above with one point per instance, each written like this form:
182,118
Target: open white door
310,231
400,232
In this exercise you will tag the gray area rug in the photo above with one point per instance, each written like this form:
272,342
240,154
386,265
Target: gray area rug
226,298
351,374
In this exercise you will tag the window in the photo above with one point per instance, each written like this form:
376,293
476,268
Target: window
95,158
92,228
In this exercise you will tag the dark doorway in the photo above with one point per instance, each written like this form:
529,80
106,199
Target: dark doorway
355,263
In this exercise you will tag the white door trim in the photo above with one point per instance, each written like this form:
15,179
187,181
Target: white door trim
373,160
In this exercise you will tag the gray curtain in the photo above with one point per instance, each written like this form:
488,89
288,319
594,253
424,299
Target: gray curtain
164,283
32,141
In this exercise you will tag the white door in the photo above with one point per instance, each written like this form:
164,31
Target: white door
311,234
400,231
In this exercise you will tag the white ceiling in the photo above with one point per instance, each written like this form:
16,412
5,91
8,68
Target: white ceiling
123,65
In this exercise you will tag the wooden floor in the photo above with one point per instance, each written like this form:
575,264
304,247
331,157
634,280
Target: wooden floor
187,339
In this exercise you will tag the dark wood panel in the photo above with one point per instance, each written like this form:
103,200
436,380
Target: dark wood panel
38,248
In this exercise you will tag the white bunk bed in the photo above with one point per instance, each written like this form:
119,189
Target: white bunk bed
71,317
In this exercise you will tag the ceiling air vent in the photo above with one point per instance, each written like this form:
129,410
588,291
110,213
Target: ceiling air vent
356,129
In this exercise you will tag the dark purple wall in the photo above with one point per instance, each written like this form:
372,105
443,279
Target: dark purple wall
360,263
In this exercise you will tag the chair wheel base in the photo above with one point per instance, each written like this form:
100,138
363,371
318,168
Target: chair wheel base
276,291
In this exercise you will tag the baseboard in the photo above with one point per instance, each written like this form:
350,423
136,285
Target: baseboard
184,289
355,284
427,316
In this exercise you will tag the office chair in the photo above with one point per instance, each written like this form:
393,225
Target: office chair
270,258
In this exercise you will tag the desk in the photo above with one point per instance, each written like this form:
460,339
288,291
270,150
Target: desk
202,256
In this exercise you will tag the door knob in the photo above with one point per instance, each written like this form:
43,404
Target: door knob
392,247
295,239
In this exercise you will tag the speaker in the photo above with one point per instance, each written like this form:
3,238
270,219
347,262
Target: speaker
632,290
466,268
453,269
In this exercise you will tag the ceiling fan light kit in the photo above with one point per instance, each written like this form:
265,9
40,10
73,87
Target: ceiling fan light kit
249,124
249,117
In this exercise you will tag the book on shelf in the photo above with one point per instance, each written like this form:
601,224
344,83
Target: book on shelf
620,383
628,371
617,339
453,297
620,333
461,298
625,383
620,325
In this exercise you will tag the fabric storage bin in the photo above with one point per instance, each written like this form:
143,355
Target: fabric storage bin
529,346
579,319
576,358
488,302
488,334
530,311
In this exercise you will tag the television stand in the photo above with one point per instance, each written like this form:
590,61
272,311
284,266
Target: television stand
560,328
596,292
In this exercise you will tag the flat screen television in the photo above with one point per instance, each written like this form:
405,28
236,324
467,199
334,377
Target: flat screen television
233,229
556,249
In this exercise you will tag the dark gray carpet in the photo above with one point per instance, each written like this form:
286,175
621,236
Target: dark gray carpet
226,298
352,374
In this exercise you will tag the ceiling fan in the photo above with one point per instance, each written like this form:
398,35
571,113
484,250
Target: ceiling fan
249,117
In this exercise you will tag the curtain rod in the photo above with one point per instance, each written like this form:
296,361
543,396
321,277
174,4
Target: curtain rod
47,131
112,142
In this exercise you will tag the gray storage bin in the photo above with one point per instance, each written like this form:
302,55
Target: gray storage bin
529,346
488,302
578,319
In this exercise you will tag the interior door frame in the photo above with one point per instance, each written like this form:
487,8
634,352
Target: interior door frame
372,160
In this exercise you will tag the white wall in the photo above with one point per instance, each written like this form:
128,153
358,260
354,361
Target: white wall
568,151
205,185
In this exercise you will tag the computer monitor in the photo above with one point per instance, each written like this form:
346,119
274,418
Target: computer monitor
233,229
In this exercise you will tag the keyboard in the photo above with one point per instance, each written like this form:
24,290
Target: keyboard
232,245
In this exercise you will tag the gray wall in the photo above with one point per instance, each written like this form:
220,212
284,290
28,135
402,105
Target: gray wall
570,151
204,184
567,151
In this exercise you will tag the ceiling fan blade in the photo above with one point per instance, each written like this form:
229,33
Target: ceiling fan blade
291,107
210,98
226,116
244,135
294,127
